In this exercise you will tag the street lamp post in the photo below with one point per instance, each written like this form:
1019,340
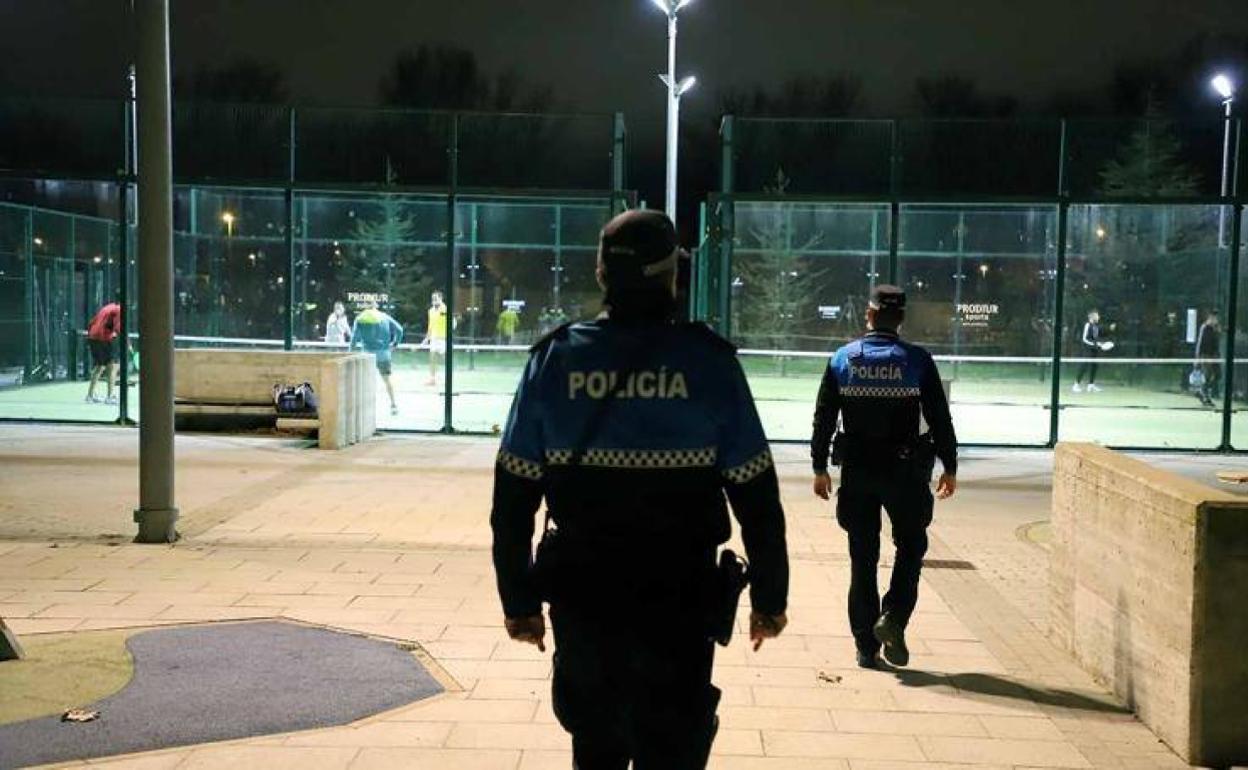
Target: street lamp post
1226,89
675,90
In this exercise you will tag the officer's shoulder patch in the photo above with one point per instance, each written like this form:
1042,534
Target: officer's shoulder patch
704,331
559,333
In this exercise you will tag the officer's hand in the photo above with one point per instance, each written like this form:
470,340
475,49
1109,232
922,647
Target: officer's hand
763,627
946,486
823,486
531,630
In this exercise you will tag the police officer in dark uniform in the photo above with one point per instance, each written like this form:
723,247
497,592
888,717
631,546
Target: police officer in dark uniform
634,428
880,386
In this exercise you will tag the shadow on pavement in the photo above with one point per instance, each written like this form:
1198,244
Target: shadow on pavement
992,686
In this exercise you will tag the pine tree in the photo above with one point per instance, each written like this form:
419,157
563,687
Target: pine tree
778,284
1150,163
384,259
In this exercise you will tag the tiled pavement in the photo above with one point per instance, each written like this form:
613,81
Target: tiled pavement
391,539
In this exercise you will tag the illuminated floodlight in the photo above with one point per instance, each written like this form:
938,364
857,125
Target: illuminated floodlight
663,6
681,5
227,218
1223,85
38,241
686,85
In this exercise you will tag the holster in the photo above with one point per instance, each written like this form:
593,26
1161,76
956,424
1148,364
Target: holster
731,578
547,563
840,447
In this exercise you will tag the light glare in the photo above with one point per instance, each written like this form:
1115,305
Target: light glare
1223,85
682,4
662,6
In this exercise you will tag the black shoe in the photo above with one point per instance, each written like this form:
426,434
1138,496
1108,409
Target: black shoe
894,640
868,659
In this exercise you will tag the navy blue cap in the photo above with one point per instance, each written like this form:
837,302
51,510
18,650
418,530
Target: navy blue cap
888,297
638,245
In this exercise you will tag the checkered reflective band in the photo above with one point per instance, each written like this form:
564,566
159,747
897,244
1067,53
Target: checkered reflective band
518,466
878,391
656,459
749,469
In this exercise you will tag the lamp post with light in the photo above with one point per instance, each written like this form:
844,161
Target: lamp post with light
675,90
1226,89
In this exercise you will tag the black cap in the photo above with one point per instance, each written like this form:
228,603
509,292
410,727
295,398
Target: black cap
888,297
638,245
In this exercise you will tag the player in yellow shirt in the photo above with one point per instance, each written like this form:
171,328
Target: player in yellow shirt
507,324
435,335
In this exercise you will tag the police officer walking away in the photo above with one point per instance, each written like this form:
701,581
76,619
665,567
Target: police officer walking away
633,427
880,386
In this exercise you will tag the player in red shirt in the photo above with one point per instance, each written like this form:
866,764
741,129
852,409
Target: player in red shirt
102,341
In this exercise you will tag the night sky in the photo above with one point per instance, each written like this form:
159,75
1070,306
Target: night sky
602,55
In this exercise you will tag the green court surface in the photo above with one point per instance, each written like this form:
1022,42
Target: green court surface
991,403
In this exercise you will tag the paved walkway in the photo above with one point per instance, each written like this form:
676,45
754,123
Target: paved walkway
391,539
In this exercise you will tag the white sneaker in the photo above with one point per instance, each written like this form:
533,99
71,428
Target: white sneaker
1076,388
91,400
394,411
1094,388
111,400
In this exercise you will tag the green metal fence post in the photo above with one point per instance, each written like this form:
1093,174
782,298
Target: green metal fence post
697,270
28,241
70,330
894,209
288,341
727,219
123,299
619,136
452,259
1059,293
1232,309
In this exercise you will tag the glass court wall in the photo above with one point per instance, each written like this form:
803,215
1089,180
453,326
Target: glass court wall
279,214
1007,236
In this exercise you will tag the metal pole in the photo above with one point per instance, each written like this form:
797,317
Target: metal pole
1232,309
894,211
474,310
618,138
727,229
1059,310
289,330
1226,173
673,116
452,262
557,285
1059,294
123,218
959,278
32,335
157,514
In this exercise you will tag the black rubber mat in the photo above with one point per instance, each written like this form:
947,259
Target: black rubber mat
225,681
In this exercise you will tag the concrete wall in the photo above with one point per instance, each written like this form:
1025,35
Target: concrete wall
346,396
1149,592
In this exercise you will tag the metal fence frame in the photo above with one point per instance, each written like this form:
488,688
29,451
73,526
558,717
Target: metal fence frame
124,177
714,256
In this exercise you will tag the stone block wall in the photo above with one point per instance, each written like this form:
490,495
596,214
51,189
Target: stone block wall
346,393
1149,592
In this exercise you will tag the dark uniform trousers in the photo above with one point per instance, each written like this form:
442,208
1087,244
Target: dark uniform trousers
634,685
907,499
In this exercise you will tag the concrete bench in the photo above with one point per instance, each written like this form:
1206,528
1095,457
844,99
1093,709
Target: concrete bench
241,382
1148,580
